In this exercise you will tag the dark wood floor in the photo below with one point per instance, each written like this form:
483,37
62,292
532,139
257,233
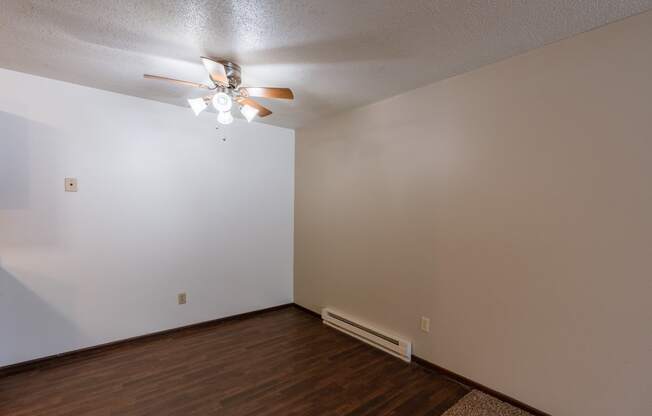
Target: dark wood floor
283,362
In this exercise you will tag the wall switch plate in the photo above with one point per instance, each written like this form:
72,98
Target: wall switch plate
71,184
181,298
425,324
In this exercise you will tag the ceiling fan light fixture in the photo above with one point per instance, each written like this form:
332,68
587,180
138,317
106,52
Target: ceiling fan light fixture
225,117
225,88
197,104
249,112
222,102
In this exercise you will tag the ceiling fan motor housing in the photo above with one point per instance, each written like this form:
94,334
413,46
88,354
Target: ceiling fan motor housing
232,73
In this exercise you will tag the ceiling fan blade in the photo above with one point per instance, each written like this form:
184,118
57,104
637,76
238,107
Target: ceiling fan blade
262,111
215,70
265,92
178,81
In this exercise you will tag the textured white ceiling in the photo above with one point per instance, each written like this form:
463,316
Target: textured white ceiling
334,54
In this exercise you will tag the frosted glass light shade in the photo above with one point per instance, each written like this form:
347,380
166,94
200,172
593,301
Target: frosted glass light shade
249,112
225,117
198,105
222,102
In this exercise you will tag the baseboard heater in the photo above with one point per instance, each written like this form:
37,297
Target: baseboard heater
393,345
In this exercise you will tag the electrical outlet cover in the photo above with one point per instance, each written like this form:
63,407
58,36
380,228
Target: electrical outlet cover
425,324
181,298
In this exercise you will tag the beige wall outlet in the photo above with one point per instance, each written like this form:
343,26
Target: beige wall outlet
425,324
181,298
71,184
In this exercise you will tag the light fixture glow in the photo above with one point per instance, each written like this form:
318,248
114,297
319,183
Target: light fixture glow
197,104
225,117
222,102
249,112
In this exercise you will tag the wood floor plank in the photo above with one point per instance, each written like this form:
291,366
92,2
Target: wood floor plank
282,362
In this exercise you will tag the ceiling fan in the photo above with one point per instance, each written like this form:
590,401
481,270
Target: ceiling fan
225,89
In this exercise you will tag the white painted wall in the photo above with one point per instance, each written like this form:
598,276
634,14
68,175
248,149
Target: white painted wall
163,207
513,206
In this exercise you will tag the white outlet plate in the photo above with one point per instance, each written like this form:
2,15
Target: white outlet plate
425,324
71,184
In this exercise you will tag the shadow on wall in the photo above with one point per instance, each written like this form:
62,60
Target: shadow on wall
29,184
29,326
14,162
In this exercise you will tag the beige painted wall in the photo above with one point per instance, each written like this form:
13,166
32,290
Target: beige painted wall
513,206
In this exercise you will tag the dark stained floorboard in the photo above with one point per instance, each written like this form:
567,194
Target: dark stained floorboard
283,362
